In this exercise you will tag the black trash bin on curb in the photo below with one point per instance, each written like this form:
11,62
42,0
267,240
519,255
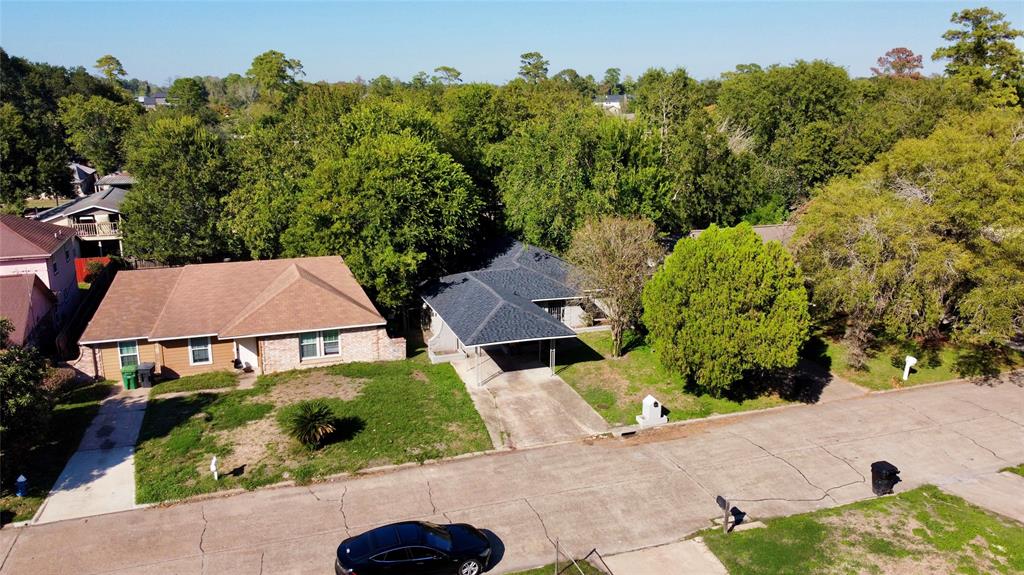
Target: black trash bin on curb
145,371
884,476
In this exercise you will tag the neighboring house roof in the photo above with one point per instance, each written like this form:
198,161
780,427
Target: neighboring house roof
110,201
81,171
120,179
232,299
16,303
612,99
495,304
769,233
22,238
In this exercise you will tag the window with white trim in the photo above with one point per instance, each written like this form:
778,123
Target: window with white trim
316,344
128,352
199,351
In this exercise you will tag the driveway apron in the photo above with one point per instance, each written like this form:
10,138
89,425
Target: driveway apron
100,477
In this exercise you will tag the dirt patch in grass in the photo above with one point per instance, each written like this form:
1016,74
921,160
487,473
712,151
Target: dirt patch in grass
316,384
420,376
250,444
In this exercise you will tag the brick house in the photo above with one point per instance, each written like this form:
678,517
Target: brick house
261,316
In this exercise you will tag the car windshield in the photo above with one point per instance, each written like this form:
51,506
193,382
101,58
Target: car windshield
437,537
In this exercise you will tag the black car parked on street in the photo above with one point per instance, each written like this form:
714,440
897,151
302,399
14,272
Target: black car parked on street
415,548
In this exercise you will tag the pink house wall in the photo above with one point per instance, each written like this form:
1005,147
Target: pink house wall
57,272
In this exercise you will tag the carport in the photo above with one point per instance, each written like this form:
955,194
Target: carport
520,297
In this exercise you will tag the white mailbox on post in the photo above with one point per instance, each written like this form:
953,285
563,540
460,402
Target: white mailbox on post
651,415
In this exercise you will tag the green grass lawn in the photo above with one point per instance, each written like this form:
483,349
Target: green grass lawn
615,387
388,413
71,416
1019,469
211,380
884,369
919,531
45,203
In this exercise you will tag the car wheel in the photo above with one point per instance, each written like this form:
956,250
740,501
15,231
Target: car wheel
471,567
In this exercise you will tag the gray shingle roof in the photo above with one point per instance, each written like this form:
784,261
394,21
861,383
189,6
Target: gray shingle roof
495,304
121,179
109,200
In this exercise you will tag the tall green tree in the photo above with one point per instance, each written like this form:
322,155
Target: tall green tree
533,67
726,305
665,99
173,213
24,406
398,210
448,75
925,238
96,128
111,68
612,259
982,44
275,75
187,94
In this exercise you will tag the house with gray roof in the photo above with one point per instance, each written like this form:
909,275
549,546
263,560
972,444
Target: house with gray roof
522,294
96,218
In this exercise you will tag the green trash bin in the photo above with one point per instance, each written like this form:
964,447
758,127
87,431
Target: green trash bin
129,376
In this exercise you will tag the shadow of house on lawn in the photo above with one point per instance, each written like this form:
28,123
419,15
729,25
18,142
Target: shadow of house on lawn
164,415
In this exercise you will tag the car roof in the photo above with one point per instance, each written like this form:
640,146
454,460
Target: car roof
385,538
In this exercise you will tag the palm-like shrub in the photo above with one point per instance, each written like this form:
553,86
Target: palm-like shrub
311,422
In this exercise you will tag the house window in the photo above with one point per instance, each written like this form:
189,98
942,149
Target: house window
129,352
316,344
199,352
330,342
308,345
67,255
56,270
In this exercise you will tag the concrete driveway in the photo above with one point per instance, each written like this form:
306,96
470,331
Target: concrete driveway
617,495
523,404
100,476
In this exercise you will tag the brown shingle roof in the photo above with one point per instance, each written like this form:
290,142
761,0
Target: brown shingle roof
16,303
769,233
233,299
23,238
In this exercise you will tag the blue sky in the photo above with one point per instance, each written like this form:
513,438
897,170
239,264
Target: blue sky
158,41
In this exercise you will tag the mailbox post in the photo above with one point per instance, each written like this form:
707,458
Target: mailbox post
652,413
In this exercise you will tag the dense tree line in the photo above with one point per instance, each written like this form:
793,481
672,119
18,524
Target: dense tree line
406,178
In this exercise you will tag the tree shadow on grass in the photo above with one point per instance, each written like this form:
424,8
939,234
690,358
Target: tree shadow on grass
164,415
803,383
345,429
985,363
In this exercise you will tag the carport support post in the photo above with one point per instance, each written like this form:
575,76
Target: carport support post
478,366
551,357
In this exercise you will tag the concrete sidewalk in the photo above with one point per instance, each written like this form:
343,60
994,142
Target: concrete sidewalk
100,477
617,495
689,557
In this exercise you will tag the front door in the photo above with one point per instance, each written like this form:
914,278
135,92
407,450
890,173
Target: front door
248,354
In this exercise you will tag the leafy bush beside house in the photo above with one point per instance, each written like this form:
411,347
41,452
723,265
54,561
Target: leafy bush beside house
724,305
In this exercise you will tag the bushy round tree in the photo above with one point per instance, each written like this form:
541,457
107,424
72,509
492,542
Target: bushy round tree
725,305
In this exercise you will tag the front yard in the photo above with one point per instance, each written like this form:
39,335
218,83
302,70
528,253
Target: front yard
920,531
387,413
884,366
71,416
615,387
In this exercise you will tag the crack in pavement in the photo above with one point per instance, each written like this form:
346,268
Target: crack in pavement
430,496
972,440
992,411
262,553
344,517
539,518
863,479
202,537
315,496
782,459
676,464
10,549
